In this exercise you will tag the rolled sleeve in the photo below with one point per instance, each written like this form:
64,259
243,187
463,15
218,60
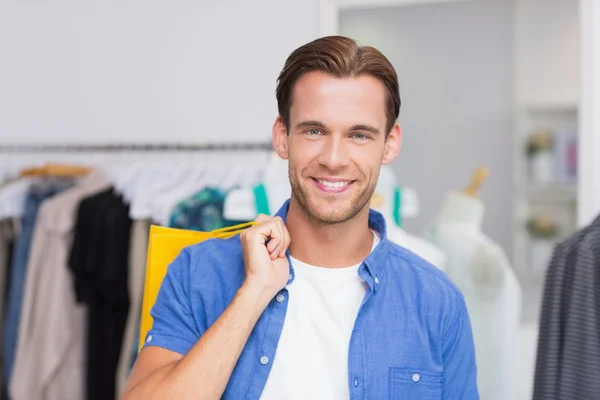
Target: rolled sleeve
174,326
460,371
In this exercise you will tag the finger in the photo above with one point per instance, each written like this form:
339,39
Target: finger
284,234
287,241
270,234
274,241
278,233
262,217
262,232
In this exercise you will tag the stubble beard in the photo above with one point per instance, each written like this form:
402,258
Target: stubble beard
328,215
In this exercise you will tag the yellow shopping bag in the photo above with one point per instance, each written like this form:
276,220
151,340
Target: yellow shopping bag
164,245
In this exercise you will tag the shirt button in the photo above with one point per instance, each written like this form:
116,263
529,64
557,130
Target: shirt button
376,280
290,277
279,298
264,360
355,382
149,339
416,378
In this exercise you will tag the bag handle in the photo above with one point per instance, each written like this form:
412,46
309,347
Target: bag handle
227,232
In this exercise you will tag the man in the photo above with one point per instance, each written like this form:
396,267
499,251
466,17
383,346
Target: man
314,303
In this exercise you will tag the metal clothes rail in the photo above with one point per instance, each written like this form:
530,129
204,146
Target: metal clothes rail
145,147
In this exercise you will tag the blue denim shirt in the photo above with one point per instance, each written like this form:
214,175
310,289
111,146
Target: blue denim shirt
411,339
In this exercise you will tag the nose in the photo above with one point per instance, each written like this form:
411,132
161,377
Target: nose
334,154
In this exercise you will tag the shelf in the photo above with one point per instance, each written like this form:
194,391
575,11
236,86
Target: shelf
570,188
551,107
552,193
567,188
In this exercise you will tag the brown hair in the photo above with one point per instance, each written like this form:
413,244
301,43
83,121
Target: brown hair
340,57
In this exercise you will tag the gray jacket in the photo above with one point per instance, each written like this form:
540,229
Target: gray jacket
568,357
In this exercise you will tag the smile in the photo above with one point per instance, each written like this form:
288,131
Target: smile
338,184
332,186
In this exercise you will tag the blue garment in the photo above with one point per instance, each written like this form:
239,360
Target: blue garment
412,337
37,194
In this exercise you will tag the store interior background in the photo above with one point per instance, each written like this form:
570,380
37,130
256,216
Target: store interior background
476,77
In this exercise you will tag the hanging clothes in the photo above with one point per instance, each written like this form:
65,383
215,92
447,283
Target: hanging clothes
138,250
265,197
75,274
568,355
50,356
13,198
261,200
481,270
37,194
99,262
203,211
7,237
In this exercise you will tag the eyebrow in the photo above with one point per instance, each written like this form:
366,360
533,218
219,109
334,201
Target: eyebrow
318,124
310,124
363,127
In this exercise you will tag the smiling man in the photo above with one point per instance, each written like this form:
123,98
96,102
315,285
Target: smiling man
314,303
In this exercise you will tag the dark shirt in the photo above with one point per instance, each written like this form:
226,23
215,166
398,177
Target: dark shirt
99,262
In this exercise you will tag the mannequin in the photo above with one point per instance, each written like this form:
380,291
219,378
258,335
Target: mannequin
481,270
383,202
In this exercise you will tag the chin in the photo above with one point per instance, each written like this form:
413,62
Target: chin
330,211
330,216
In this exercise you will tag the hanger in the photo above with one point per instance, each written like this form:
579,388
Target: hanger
479,176
56,170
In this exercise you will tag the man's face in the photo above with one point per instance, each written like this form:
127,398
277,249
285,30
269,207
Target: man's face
336,144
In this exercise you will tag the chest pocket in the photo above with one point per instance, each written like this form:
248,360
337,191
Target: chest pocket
410,384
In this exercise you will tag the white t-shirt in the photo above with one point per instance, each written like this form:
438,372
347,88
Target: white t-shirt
311,361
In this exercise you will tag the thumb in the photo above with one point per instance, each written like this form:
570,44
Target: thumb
262,217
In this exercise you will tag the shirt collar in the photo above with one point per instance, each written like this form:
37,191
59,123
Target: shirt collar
375,261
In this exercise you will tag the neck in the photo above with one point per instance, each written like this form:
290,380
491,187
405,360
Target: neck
328,245
462,208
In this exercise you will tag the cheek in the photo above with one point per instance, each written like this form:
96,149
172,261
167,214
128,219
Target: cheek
303,154
367,158
297,163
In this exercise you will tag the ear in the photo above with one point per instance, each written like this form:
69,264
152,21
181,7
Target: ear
392,144
280,138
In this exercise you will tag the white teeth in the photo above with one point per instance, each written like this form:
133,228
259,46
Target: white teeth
333,184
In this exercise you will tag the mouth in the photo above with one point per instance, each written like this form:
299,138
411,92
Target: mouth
332,186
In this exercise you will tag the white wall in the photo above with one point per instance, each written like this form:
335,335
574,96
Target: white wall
455,66
145,71
547,52
589,117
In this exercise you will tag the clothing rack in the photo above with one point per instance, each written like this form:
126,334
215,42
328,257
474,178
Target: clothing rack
146,147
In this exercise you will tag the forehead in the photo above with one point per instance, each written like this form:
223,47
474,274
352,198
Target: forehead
339,101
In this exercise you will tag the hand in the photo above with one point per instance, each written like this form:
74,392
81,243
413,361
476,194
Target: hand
267,268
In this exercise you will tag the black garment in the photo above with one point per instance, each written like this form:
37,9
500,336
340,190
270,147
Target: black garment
99,260
568,357
9,233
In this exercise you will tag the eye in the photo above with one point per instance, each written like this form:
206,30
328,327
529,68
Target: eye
360,136
313,132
